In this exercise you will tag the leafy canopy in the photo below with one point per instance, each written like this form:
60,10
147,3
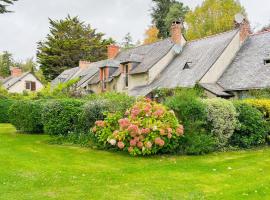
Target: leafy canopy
68,42
4,4
151,35
164,12
212,17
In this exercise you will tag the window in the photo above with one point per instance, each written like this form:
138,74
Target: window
187,65
30,85
267,61
104,77
126,70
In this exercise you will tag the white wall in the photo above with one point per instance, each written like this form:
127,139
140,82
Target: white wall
223,62
19,87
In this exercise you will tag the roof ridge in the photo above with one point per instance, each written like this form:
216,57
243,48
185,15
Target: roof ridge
261,32
210,36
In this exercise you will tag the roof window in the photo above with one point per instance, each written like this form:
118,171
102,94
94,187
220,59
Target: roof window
187,65
267,61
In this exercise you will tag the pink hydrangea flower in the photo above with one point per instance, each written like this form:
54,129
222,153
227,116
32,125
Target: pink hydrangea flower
124,123
121,145
135,111
159,142
148,145
180,130
158,113
100,123
140,145
133,143
169,130
133,129
137,139
169,135
162,132
130,149
147,108
94,129
115,133
145,131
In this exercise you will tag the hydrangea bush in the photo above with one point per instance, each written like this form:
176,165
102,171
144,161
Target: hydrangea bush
147,128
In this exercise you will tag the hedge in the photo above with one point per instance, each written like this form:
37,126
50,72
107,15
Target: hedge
5,104
26,116
61,117
261,104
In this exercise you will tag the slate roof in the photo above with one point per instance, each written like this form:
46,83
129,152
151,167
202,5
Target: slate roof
10,81
215,89
200,54
247,71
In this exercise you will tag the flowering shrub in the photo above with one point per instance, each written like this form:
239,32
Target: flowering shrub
148,128
261,104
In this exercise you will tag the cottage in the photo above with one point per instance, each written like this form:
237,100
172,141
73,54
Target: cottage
19,82
225,65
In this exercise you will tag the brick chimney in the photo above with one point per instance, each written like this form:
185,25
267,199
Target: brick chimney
113,50
176,32
243,24
16,72
84,64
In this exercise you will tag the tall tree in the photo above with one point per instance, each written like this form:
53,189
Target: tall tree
4,4
213,16
6,61
151,35
165,12
29,65
128,42
68,42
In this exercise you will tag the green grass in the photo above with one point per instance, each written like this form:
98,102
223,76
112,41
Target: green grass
30,168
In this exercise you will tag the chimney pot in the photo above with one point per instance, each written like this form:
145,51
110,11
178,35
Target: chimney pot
16,72
84,64
113,50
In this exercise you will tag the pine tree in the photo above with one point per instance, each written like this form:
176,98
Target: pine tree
4,4
5,64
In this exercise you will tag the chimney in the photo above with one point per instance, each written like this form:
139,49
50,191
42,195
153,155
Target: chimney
113,50
16,72
243,24
176,32
84,64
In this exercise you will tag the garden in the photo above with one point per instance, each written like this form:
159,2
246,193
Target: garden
65,146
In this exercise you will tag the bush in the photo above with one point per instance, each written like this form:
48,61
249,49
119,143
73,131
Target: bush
222,119
261,104
252,129
116,102
62,116
92,111
148,128
5,104
26,116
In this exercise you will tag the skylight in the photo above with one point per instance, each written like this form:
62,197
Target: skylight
267,61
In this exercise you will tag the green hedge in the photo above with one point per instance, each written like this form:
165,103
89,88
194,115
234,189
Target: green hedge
5,104
252,129
60,117
26,116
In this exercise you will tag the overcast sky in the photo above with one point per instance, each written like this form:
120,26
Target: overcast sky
21,30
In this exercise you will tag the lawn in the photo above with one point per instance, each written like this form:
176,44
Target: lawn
30,168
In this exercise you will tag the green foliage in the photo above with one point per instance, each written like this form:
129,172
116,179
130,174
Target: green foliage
252,130
60,117
70,41
4,4
127,42
166,11
212,17
26,116
5,104
6,61
149,128
222,119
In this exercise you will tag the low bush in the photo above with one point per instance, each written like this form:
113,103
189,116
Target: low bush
61,117
5,104
26,116
222,119
252,129
261,104
148,128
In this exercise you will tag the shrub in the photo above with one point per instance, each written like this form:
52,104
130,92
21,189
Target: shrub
62,116
116,102
26,116
261,104
252,129
148,128
222,119
5,104
92,111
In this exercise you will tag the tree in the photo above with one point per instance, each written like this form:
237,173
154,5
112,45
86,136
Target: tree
166,11
212,17
6,61
127,42
68,42
29,65
151,35
4,4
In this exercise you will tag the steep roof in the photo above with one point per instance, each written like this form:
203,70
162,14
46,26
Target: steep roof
200,55
248,71
10,81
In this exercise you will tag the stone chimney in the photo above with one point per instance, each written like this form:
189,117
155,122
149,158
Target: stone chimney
113,50
176,32
16,72
243,24
84,64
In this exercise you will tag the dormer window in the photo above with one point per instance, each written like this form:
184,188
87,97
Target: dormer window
267,61
187,65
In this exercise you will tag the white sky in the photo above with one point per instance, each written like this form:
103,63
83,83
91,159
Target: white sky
21,30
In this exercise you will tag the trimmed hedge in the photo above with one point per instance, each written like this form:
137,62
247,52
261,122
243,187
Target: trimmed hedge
25,115
252,129
60,117
5,104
